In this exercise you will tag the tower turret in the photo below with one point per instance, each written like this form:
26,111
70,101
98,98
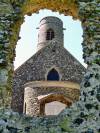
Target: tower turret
50,30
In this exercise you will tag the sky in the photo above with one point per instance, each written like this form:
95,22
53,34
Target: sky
27,45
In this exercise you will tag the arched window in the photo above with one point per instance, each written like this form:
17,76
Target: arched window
50,34
53,75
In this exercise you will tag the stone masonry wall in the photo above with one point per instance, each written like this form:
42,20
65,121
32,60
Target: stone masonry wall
31,95
31,103
36,68
56,25
11,122
82,117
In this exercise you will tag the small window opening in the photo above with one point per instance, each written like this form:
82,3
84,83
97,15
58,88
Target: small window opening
50,34
53,75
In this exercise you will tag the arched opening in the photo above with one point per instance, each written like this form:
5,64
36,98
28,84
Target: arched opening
53,104
53,75
50,34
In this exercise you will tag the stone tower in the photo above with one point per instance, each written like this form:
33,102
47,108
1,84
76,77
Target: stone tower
50,29
50,80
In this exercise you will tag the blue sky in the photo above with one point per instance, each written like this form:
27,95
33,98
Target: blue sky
27,45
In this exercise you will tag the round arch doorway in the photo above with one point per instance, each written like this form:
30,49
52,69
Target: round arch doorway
53,104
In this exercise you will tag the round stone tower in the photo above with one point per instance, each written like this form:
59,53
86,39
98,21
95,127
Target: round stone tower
50,30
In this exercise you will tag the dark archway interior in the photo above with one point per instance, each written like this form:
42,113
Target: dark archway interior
53,75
